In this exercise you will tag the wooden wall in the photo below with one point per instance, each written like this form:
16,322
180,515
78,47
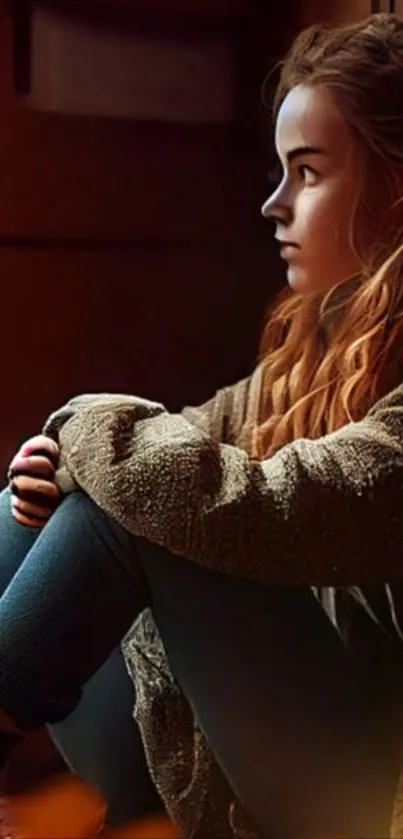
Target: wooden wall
131,258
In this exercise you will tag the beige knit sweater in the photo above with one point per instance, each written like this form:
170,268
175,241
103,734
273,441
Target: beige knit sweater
323,513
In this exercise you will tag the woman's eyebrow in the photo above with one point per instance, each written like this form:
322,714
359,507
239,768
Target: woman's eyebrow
303,150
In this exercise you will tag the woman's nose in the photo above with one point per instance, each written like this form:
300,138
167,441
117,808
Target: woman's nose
276,210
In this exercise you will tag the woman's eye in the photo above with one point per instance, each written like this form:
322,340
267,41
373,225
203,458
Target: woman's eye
307,175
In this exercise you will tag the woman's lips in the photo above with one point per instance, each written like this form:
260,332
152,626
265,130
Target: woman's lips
288,251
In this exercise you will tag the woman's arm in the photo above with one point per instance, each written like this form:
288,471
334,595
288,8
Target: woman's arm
228,417
324,512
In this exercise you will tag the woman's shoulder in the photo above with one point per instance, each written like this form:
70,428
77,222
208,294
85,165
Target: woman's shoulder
391,400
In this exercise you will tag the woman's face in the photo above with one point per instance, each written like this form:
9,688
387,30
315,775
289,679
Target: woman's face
314,205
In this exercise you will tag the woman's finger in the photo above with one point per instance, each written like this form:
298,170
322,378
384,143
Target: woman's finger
38,467
32,511
26,520
42,444
36,490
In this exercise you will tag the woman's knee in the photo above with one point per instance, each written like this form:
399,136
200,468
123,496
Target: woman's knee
5,500
15,541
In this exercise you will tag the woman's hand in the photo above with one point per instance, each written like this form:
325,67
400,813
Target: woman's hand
34,493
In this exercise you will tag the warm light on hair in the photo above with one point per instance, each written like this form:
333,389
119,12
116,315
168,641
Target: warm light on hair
326,360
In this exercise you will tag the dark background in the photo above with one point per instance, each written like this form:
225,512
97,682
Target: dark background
133,256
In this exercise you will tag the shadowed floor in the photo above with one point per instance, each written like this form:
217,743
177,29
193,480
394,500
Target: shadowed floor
64,808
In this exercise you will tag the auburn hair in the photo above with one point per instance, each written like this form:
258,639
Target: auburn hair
326,359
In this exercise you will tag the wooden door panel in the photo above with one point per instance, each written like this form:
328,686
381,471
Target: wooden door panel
169,324
66,177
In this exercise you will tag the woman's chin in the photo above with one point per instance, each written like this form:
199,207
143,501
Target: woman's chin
298,280
307,282
302,282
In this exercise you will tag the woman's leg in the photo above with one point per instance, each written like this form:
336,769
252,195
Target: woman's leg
68,606
264,671
100,739
101,742
272,687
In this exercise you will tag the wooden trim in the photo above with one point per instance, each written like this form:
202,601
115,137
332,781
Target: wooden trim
382,6
142,17
77,243
21,11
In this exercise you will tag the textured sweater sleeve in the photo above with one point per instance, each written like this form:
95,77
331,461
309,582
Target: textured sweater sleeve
324,512
228,417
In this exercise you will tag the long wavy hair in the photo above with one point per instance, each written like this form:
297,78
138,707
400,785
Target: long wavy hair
326,359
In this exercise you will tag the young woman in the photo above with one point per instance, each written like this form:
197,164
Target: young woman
266,708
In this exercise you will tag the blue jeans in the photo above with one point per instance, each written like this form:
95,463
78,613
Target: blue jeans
99,740
266,674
